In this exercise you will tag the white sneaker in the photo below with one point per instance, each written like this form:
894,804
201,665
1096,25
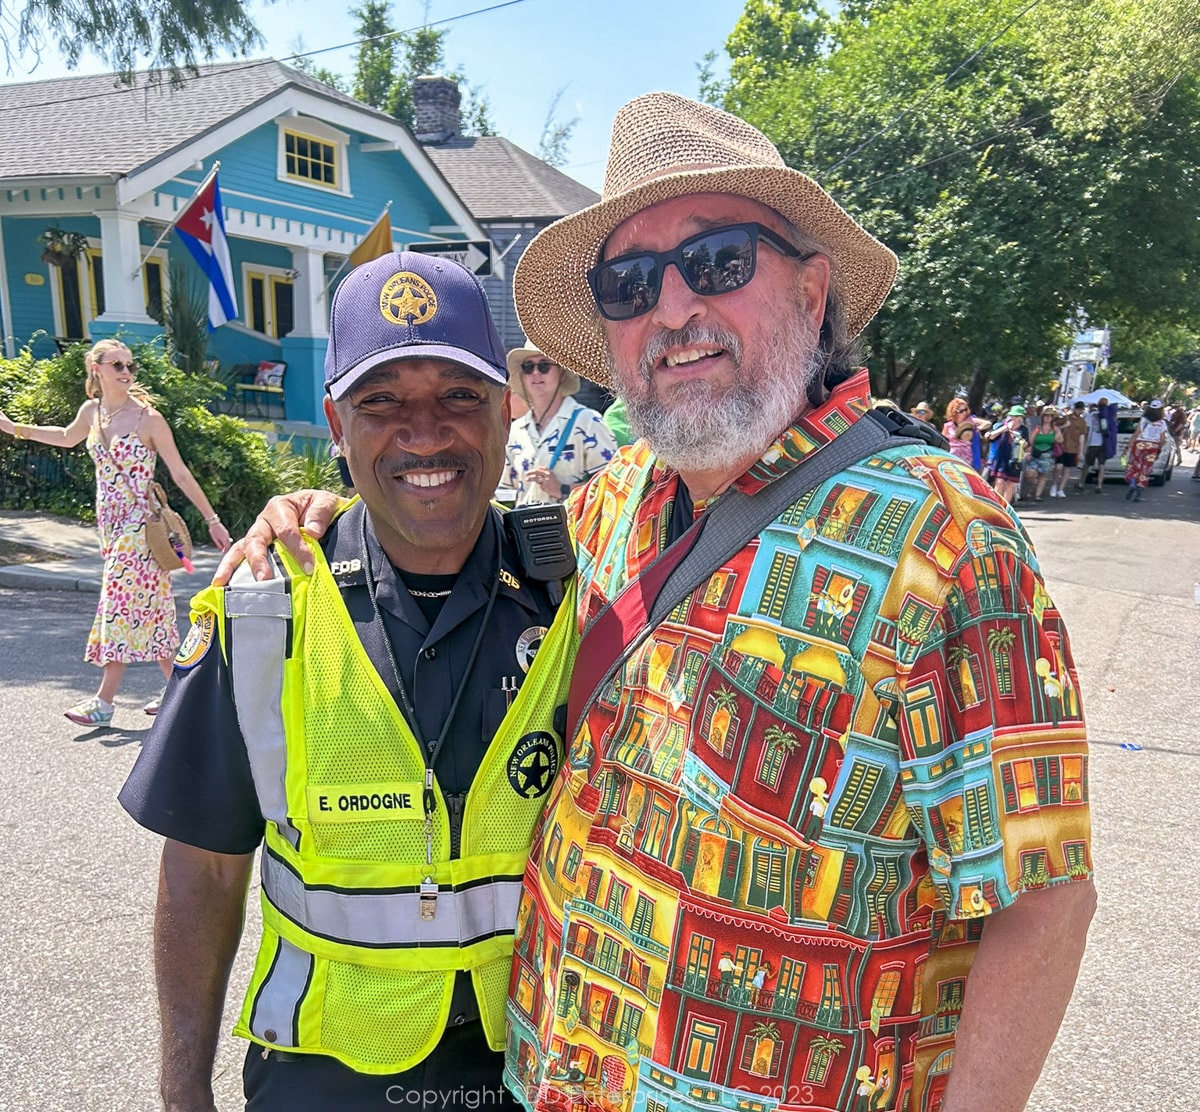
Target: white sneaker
151,707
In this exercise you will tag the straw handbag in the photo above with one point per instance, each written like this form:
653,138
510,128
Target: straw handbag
166,534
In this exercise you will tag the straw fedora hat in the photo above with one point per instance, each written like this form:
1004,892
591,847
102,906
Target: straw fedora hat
665,146
568,380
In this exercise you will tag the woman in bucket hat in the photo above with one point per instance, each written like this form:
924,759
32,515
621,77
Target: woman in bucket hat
558,443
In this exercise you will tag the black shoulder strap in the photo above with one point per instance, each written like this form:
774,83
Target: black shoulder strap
738,517
614,633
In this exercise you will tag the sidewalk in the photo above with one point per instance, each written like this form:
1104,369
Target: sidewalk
80,566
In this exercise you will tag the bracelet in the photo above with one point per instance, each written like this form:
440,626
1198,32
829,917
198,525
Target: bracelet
17,431
214,520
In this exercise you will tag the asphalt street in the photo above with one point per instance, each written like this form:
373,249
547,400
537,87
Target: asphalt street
78,1022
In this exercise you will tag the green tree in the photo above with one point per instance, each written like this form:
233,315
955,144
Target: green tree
388,61
556,133
306,65
172,35
959,132
375,59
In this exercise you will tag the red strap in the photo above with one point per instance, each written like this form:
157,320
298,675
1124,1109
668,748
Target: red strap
619,624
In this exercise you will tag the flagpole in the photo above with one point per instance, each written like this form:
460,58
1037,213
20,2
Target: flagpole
325,292
167,230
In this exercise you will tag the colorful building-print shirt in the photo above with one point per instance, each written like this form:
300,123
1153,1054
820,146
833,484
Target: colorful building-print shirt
765,864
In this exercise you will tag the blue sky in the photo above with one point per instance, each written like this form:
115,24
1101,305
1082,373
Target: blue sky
604,52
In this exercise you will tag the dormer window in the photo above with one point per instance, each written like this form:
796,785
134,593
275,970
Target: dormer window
310,158
312,153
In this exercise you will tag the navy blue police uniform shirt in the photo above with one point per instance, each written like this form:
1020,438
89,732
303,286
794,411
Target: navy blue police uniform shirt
192,781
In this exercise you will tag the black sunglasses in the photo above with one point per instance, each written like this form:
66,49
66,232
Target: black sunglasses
120,364
717,261
542,368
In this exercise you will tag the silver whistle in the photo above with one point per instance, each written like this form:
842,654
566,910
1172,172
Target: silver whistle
429,895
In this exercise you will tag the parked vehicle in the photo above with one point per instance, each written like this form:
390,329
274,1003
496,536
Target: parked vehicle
1127,423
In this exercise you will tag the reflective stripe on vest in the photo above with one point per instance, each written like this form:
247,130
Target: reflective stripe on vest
257,649
275,1018
392,919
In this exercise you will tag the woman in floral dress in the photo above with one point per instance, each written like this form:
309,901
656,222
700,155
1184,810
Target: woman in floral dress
125,434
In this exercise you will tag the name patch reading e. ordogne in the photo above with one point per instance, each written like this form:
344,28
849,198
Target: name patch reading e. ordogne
370,802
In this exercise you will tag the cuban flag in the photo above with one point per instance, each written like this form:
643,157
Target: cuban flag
201,227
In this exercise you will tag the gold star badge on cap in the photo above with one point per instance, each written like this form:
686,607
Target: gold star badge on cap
406,298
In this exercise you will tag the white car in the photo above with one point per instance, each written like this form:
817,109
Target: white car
1160,472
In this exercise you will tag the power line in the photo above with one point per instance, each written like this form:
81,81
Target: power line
248,66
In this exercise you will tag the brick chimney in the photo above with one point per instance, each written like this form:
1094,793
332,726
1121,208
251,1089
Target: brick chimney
436,113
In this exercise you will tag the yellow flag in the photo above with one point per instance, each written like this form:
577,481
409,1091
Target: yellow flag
378,241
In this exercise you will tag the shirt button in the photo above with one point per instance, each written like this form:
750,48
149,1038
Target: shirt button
270,1035
430,654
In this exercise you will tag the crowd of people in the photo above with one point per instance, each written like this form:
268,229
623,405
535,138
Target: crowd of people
1021,450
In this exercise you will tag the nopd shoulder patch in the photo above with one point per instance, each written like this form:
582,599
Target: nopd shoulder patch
533,763
196,643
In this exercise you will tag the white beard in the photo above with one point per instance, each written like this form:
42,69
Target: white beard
704,427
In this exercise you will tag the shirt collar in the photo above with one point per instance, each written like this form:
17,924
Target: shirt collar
846,403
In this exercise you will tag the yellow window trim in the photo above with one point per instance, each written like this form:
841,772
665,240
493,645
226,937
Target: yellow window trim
333,160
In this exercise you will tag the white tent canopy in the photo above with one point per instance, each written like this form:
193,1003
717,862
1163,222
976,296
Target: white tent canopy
1115,397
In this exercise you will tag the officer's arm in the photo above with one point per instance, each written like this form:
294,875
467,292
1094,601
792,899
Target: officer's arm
281,519
197,926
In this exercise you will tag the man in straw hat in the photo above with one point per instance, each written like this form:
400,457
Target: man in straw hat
822,757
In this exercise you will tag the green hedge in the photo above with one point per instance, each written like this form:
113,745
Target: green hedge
236,466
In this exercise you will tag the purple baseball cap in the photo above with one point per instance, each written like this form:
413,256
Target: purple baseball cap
409,306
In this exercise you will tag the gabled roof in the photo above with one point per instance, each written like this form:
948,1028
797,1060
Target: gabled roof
500,181
97,127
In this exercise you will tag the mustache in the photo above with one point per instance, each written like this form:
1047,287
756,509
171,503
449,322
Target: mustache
425,463
692,334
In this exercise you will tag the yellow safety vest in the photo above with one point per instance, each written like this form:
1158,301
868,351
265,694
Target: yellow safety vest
347,965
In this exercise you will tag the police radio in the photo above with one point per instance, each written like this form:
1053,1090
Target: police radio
543,543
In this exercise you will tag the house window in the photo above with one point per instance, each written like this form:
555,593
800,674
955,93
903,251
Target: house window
699,956
643,916
829,1014
153,286
270,306
309,157
571,865
768,866
77,293
553,850
610,954
631,1022
885,996
312,153
701,1049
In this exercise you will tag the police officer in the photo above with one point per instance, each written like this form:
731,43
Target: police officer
382,718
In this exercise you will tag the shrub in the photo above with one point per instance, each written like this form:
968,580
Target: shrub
234,465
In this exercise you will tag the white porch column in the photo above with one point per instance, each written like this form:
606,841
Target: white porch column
124,299
310,306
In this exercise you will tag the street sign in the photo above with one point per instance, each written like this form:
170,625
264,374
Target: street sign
475,255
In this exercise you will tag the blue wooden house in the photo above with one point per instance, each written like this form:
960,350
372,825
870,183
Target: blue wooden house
305,172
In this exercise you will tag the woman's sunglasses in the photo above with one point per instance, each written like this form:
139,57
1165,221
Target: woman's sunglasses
718,261
120,364
543,367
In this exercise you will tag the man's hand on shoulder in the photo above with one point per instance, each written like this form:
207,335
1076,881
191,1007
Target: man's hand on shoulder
285,518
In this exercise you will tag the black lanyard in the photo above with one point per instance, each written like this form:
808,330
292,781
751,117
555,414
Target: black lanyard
428,752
